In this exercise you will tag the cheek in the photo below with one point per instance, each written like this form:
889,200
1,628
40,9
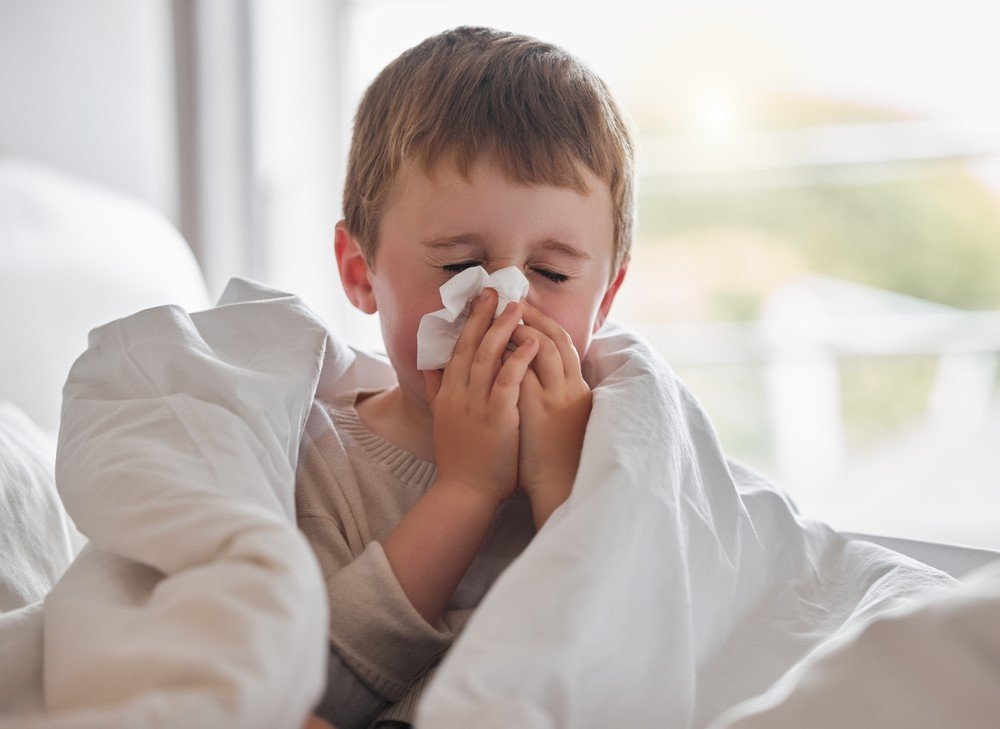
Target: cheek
581,341
577,322
406,322
403,333
403,337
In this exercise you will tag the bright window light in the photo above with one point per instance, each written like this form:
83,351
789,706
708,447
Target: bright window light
818,222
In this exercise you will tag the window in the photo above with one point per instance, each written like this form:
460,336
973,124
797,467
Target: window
819,230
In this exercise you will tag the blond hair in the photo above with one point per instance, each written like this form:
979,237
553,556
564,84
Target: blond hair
537,111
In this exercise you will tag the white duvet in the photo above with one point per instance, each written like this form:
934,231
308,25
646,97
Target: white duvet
672,585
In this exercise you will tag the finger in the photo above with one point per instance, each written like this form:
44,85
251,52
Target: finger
531,389
432,383
487,361
533,317
507,386
469,338
548,365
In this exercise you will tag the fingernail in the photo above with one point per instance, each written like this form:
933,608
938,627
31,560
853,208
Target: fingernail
510,306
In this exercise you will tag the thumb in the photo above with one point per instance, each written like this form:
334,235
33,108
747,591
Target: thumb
432,382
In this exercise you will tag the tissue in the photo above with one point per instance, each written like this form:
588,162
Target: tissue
438,331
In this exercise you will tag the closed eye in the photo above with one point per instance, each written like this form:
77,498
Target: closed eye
550,275
456,267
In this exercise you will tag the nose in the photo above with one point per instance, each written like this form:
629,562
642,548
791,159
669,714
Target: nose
501,265
493,267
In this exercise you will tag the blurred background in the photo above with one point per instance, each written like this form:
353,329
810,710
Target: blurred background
818,251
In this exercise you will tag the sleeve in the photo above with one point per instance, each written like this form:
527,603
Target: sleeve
348,702
374,629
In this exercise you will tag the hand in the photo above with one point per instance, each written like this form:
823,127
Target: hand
554,405
474,402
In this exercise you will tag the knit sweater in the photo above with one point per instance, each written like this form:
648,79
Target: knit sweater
352,488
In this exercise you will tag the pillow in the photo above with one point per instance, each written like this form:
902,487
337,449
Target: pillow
34,530
75,256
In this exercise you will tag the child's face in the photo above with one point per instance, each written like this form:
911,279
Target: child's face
502,224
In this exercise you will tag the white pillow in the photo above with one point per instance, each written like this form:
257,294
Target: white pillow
35,541
74,256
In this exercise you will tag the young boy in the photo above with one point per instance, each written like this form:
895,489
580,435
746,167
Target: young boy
476,147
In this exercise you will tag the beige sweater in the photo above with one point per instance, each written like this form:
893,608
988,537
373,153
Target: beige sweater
352,487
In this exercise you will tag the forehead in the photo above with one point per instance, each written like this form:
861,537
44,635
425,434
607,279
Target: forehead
487,204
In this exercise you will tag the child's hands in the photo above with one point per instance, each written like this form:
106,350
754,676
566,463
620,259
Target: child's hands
554,405
474,403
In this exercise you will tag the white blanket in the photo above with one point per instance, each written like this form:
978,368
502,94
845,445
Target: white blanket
670,586
932,664
197,602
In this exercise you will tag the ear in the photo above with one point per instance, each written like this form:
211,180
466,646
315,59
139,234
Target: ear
354,271
609,296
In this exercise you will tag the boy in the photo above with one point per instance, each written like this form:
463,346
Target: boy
476,147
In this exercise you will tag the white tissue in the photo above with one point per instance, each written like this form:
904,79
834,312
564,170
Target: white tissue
438,331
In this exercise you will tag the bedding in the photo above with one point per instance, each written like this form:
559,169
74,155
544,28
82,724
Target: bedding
672,585
196,603
34,534
932,664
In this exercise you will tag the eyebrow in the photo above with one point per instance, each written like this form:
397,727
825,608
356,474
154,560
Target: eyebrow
474,239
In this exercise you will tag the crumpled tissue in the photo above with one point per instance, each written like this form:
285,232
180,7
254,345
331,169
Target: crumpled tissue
438,331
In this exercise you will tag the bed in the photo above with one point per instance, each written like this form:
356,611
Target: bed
76,257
